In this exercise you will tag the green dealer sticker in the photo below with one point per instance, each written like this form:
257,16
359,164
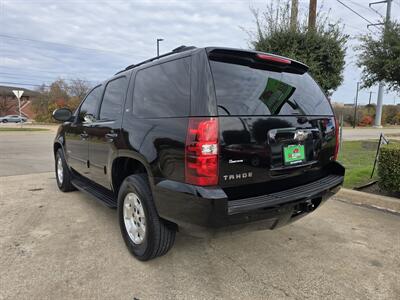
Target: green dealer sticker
293,154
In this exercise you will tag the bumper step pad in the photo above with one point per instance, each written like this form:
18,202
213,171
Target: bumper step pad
302,192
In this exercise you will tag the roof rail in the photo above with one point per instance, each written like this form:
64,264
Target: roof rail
174,51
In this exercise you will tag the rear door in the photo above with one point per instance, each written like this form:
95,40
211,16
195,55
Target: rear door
105,133
274,120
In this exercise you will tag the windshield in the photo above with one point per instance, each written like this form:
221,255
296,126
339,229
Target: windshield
242,90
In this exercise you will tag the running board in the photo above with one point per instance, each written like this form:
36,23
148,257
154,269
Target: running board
100,193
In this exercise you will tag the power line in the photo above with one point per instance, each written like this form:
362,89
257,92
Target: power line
359,5
71,73
348,7
7,36
352,10
44,78
25,83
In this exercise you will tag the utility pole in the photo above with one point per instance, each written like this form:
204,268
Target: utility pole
293,14
312,14
355,106
379,104
158,46
370,94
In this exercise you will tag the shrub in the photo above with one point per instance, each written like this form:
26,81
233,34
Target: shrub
389,168
322,49
366,121
396,119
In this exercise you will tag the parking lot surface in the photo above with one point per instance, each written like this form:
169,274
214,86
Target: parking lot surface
68,246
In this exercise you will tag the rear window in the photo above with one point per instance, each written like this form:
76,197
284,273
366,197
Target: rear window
113,99
163,90
242,90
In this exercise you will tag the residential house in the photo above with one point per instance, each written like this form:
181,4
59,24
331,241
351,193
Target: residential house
9,103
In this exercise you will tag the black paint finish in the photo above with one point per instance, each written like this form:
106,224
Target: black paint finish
250,154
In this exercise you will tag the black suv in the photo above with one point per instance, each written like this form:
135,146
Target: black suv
199,140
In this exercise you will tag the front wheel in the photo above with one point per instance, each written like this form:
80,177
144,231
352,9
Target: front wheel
144,233
5,121
63,175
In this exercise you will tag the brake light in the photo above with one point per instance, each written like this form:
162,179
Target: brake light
335,155
201,152
273,58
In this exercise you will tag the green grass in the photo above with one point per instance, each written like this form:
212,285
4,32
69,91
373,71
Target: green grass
358,158
22,129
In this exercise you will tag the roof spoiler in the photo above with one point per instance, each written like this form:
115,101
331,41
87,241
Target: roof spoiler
258,60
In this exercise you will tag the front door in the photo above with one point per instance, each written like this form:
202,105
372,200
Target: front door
105,133
76,137
76,146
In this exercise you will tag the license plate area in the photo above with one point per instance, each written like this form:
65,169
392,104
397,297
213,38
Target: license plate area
294,154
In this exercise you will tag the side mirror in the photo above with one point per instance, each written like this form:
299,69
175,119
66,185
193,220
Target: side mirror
62,114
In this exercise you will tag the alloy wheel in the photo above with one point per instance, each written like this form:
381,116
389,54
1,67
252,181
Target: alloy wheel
134,218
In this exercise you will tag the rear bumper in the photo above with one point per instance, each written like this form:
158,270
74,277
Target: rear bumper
308,191
201,211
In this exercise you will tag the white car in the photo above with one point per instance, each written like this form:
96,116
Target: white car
13,119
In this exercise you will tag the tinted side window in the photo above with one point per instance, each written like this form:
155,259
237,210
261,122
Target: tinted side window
163,90
88,110
113,99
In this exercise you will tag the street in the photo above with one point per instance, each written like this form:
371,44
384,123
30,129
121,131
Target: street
57,245
26,152
362,133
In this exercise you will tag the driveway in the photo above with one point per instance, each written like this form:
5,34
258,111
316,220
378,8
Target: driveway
57,245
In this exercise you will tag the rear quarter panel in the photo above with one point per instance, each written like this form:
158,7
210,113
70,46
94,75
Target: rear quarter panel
160,141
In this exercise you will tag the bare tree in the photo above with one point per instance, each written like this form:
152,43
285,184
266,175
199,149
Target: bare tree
78,88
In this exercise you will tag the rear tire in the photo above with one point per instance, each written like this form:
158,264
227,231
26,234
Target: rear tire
144,233
63,175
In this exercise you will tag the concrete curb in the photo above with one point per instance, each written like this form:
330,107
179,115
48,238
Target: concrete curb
361,198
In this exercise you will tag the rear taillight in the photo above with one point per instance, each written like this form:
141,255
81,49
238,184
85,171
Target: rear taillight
201,152
337,128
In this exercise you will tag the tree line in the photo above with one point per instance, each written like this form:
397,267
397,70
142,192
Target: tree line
366,114
58,94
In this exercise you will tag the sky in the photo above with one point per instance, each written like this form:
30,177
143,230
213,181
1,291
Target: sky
42,40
